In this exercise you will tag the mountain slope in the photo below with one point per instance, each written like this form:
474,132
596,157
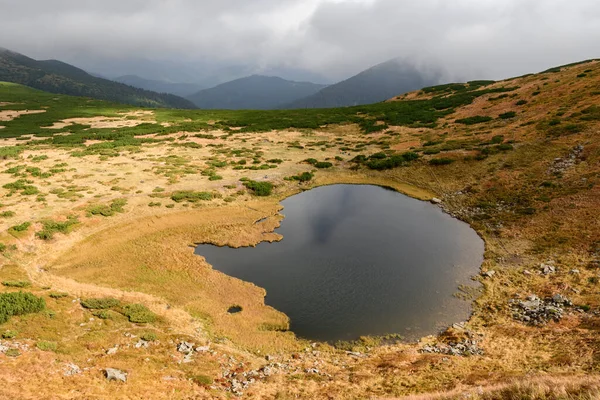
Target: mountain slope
253,92
58,77
178,89
375,84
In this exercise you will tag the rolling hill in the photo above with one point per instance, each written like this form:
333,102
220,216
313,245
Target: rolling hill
375,84
58,77
254,92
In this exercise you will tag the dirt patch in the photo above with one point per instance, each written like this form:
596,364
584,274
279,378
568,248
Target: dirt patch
9,115
108,122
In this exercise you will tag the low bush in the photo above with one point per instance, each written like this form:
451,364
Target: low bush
107,210
478,119
259,188
191,196
9,334
21,227
58,295
323,164
303,177
19,303
508,115
100,303
149,336
138,313
17,284
521,102
51,227
441,161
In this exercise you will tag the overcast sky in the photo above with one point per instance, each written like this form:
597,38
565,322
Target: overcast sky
333,38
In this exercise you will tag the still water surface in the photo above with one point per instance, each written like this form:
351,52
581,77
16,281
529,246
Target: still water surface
360,260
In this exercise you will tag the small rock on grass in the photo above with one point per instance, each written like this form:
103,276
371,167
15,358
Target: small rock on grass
113,374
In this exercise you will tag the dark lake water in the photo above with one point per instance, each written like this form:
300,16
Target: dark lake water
360,260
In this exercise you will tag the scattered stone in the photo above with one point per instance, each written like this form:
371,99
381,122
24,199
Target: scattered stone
562,164
435,200
489,274
527,272
71,369
548,268
535,311
353,353
3,348
185,347
202,349
142,343
113,374
464,348
112,350
574,272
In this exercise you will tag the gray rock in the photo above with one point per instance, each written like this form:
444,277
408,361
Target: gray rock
112,350
185,347
202,349
547,269
489,274
113,374
142,343
71,369
435,200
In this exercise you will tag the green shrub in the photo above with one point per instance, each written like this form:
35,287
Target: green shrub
303,177
102,314
58,295
17,284
138,313
441,161
323,164
51,227
46,346
497,139
215,178
478,119
100,303
21,227
149,336
9,334
107,210
7,214
311,161
521,102
508,115
191,196
259,188
19,303
2,247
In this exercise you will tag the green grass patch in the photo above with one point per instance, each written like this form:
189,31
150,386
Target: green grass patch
191,196
100,303
259,188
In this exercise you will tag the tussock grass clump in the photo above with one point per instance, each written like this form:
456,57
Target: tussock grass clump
9,334
139,314
259,188
100,303
508,115
19,303
58,295
323,164
46,346
149,336
201,380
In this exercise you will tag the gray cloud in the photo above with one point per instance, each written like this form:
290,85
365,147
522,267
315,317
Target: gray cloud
334,38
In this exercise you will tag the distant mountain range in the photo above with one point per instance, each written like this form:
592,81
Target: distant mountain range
373,85
58,77
178,89
253,92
